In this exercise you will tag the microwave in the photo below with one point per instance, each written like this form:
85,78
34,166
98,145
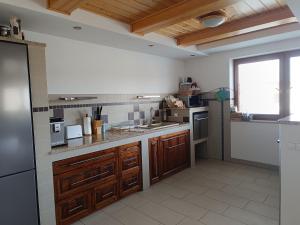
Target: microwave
193,101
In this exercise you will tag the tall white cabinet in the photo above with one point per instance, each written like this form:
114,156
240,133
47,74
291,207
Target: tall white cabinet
289,133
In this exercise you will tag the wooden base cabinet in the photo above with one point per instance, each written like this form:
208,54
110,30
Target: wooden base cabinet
168,155
89,182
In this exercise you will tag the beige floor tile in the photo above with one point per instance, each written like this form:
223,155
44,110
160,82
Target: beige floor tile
260,189
135,201
161,213
268,183
248,218
170,190
264,210
207,203
78,223
217,219
185,208
273,201
129,216
114,207
255,173
227,198
191,186
99,219
203,181
154,195
225,179
245,193
188,221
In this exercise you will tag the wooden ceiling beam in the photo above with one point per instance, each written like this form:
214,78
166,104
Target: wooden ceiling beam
178,12
65,6
245,25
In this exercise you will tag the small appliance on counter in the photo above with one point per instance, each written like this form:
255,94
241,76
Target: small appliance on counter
73,131
57,131
193,101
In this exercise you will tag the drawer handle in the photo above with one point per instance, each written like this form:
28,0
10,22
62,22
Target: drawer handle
132,184
90,178
91,159
75,208
107,194
132,164
199,119
129,159
176,146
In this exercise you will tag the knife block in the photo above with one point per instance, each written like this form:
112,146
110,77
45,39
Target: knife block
97,126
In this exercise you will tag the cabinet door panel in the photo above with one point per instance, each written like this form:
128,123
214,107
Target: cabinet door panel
130,183
130,156
105,194
72,181
155,161
72,209
175,151
83,161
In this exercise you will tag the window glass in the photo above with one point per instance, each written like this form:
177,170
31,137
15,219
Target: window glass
258,84
295,85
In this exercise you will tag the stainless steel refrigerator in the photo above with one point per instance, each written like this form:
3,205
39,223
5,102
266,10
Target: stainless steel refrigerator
18,189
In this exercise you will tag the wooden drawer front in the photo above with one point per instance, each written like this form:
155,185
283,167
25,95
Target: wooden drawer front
130,183
69,182
105,194
130,157
82,161
72,209
130,161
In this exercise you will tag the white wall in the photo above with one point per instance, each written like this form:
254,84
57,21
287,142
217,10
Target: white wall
75,67
215,71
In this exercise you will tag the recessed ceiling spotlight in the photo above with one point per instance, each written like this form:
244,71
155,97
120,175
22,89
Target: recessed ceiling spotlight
213,19
192,55
151,45
77,27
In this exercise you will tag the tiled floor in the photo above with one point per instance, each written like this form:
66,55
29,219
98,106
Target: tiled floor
213,193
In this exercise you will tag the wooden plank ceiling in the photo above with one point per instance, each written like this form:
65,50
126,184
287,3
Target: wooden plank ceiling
177,18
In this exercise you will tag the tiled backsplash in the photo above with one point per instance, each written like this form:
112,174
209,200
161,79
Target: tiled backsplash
117,109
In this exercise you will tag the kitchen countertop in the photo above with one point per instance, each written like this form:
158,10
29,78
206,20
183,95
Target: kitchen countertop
292,119
109,136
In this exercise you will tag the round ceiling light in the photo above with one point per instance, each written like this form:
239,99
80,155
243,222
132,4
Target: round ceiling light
213,19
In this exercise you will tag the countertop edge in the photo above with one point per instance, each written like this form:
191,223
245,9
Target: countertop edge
77,149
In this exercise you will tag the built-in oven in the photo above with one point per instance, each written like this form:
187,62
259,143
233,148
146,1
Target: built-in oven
200,125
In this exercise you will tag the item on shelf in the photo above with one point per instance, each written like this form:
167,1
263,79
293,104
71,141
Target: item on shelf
247,117
15,26
97,126
87,127
236,116
173,102
4,30
188,88
57,131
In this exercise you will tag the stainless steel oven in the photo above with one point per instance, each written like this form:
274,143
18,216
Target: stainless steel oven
200,123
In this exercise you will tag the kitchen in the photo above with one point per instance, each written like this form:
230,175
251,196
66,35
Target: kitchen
83,63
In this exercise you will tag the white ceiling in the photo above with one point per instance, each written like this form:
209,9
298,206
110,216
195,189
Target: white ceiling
99,30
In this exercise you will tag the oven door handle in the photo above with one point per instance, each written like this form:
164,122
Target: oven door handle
199,119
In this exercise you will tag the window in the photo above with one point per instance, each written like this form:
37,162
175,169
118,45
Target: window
268,86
